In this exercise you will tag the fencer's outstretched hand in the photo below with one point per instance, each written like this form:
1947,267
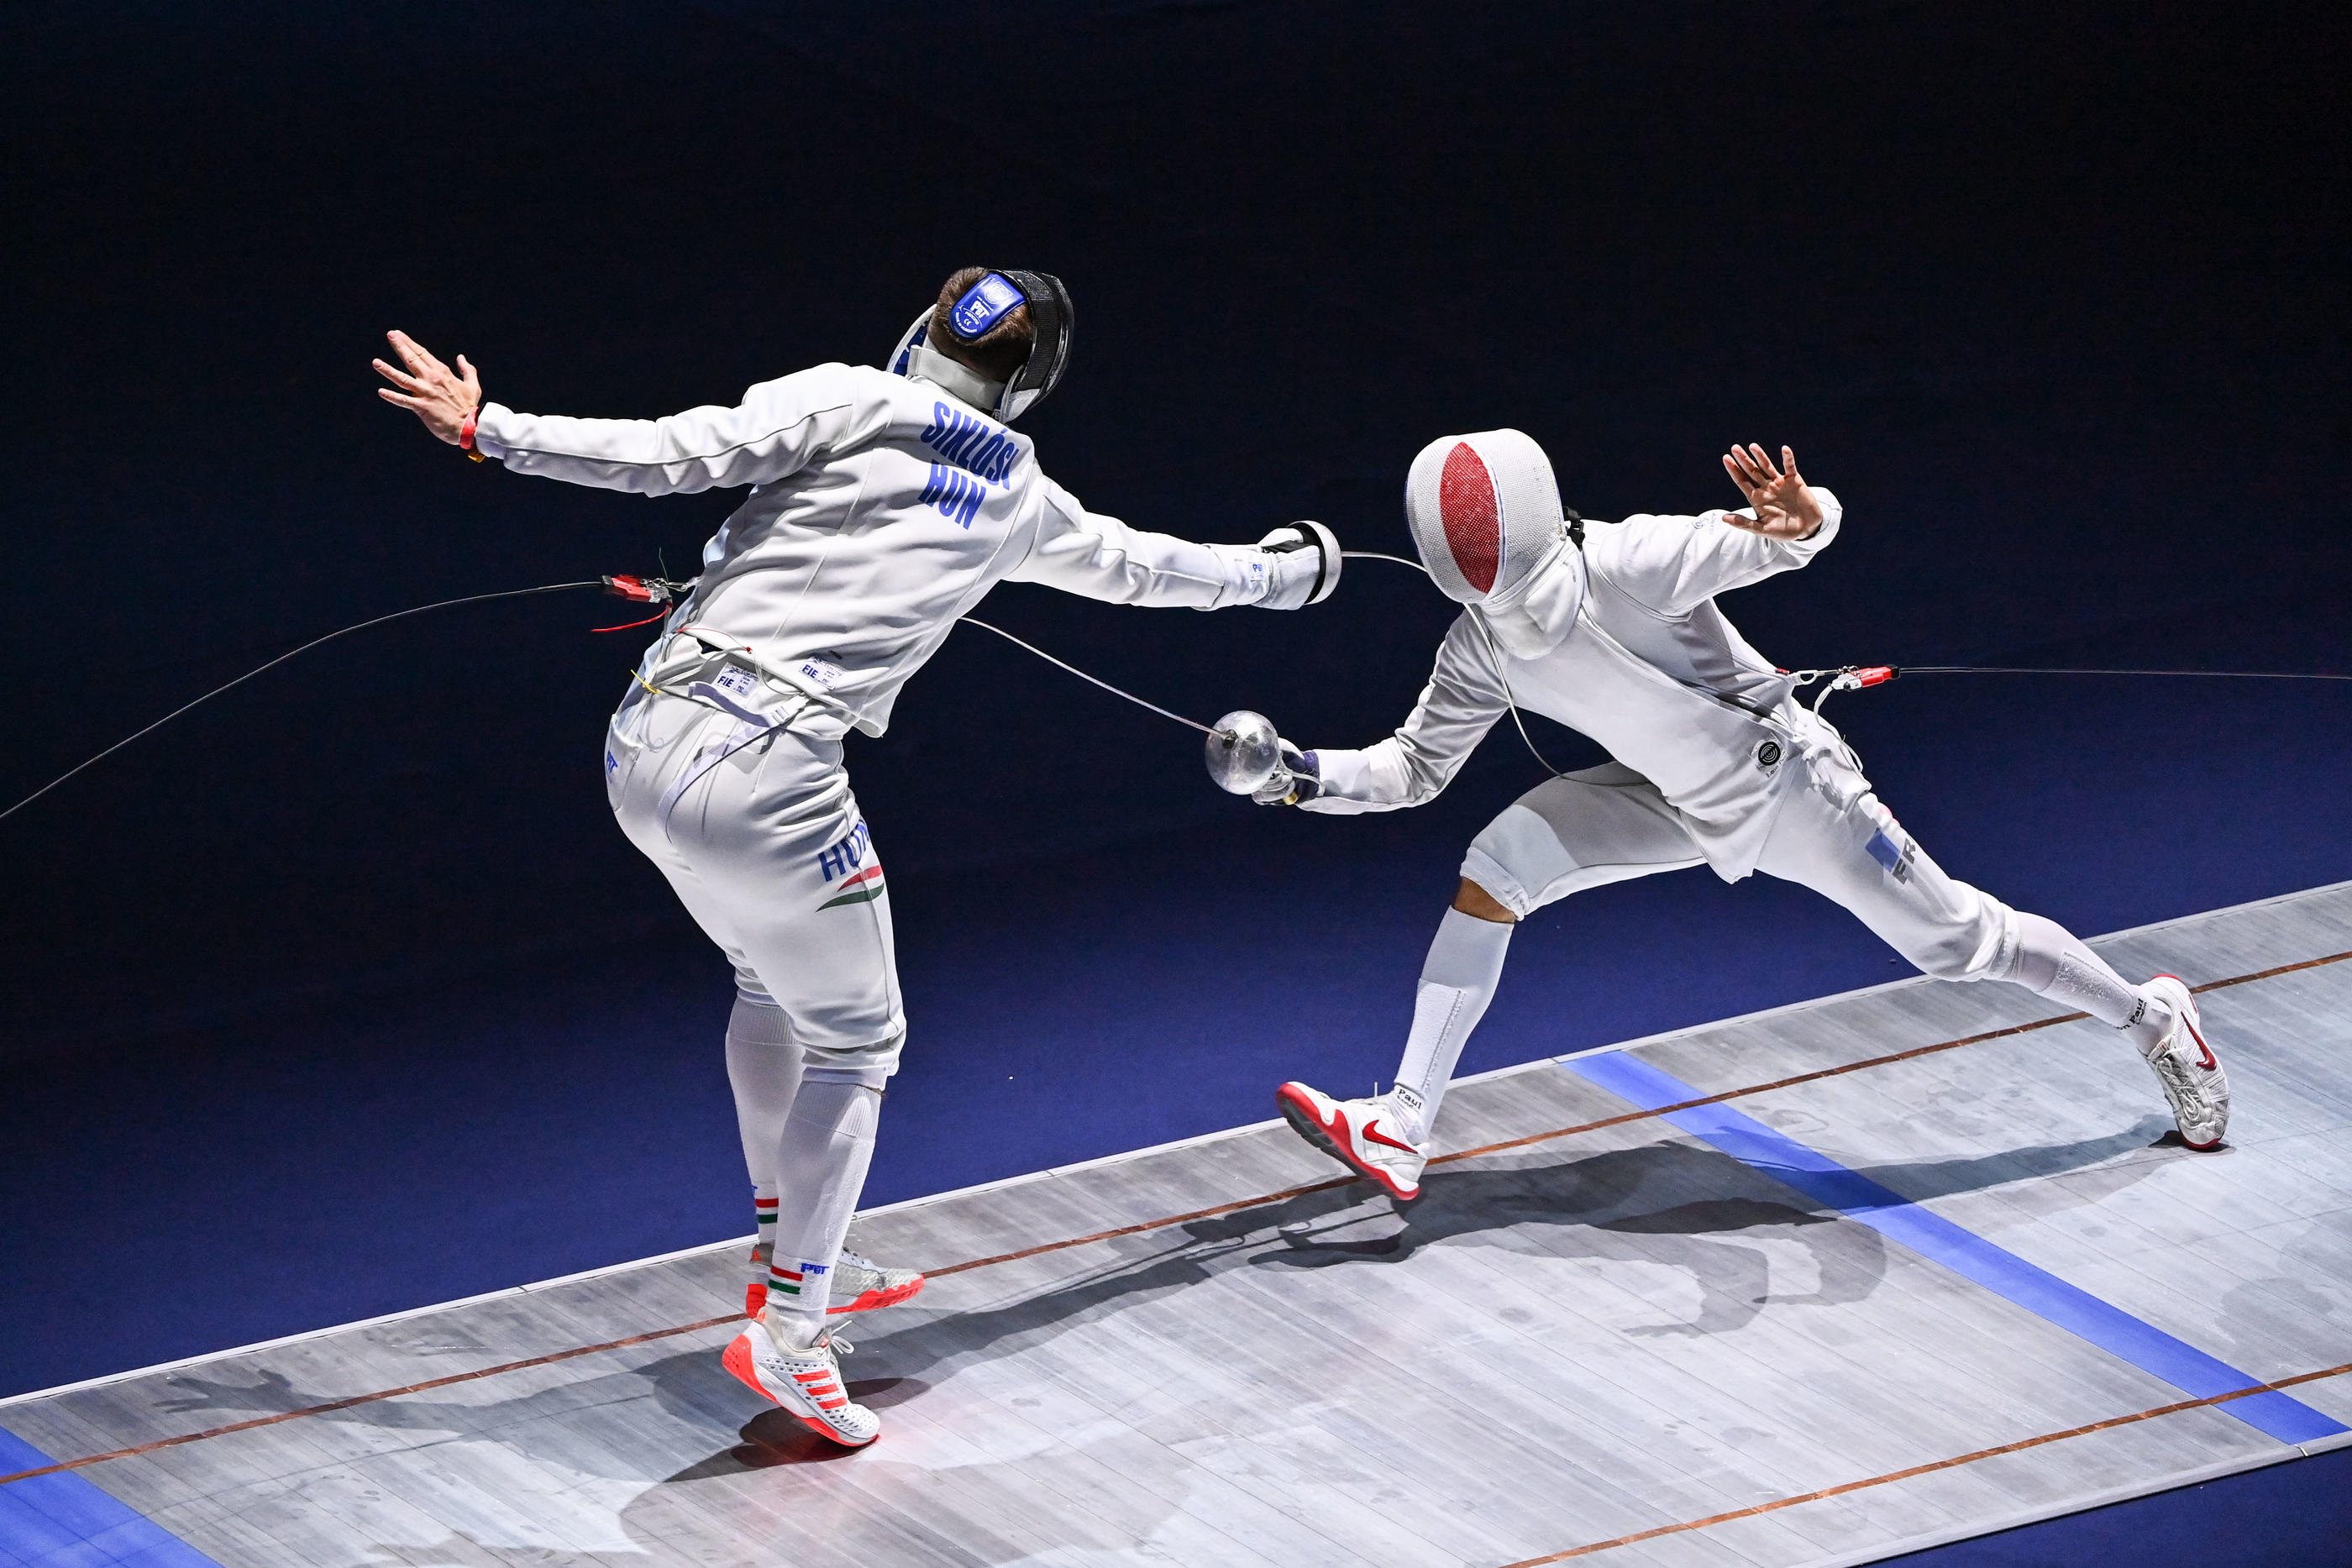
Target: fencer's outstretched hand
442,398
1785,508
1299,780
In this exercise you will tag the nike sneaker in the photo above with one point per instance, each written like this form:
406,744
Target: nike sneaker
1365,1135
2189,1071
805,1382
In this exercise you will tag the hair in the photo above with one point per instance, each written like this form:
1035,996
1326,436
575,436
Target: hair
1001,351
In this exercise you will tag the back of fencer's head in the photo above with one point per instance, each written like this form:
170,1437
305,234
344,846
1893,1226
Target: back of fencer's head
1484,512
998,353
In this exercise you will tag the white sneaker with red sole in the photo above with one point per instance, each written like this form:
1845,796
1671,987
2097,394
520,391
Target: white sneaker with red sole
859,1285
2189,1071
805,1382
1362,1135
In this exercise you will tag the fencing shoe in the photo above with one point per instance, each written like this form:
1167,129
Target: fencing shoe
755,1293
1362,1134
859,1285
2189,1071
805,1382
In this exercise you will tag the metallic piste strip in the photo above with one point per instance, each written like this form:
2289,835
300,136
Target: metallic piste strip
2019,1446
1284,1196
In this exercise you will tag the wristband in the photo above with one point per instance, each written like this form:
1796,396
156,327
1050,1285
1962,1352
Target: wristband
466,431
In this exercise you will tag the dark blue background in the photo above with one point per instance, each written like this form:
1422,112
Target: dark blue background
341,995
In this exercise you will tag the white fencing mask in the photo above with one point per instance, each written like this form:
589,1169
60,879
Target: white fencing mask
1484,512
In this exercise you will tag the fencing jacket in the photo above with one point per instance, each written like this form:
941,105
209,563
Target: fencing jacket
882,509
1623,642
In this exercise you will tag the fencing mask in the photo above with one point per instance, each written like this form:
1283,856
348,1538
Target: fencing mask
1484,512
987,302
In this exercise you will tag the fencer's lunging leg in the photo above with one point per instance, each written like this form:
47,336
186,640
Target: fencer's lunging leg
1604,824
821,1161
763,1068
1457,981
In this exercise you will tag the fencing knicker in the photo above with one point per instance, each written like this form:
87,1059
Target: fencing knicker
762,839
1609,823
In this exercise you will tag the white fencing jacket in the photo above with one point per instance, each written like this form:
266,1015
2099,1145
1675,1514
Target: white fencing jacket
1622,640
882,507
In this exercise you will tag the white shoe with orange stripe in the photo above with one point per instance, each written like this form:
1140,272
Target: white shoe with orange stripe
2189,1071
806,1383
1362,1135
859,1285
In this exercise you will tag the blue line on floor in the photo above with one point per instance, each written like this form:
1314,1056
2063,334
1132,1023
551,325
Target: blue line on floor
64,1521
2003,1272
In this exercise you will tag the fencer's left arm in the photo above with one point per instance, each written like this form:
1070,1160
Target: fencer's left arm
778,428
1087,553
1674,564
781,427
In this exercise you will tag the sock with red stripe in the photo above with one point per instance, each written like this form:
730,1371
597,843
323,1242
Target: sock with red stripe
764,1250
821,1164
763,1068
1457,980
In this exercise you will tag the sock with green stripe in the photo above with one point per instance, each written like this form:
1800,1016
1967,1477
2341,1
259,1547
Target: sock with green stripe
763,1068
763,1249
821,1165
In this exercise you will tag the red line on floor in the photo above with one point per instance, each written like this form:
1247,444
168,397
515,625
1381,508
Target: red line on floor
1283,1195
1779,1503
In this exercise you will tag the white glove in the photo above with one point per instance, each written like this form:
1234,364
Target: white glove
1304,562
1299,780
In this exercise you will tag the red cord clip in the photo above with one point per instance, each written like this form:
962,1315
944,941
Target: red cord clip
658,591
1876,675
636,587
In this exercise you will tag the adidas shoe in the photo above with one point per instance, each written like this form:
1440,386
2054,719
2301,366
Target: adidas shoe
2189,1071
805,1382
859,1285
1359,1133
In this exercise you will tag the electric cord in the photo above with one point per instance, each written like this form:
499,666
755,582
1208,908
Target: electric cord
259,669
1850,678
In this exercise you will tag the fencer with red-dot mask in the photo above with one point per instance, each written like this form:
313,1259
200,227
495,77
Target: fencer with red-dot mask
1613,630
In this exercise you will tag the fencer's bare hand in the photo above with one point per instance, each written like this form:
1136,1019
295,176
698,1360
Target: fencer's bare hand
1785,508
441,397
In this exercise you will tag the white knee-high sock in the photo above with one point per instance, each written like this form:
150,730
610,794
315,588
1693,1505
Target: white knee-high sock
763,1067
2053,961
1457,980
828,1141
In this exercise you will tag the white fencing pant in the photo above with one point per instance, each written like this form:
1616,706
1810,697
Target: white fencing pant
1609,823
762,840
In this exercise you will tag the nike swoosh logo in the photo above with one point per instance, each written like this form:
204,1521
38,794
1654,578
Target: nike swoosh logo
1372,1134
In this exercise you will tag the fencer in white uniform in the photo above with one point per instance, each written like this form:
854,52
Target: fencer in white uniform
884,505
1613,630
